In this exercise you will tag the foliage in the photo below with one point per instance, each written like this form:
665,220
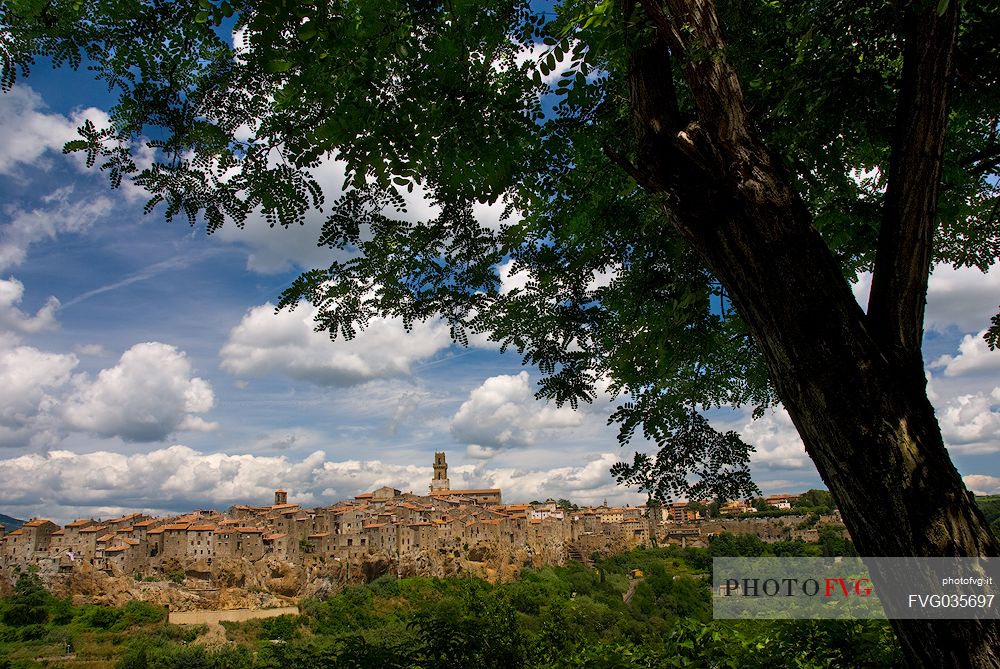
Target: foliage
28,606
816,500
990,506
550,618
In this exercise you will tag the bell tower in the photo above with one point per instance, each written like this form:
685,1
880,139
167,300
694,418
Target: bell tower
440,480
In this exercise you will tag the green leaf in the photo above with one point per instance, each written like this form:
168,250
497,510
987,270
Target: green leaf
277,65
307,31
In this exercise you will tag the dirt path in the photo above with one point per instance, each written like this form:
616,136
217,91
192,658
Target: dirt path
215,635
234,615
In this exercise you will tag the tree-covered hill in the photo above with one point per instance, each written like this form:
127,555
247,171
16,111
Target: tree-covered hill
10,524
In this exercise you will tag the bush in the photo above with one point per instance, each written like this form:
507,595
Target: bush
279,627
101,617
140,613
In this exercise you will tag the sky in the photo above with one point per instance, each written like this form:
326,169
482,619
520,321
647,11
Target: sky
143,366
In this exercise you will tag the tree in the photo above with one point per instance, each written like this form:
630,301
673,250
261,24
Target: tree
730,165
815,498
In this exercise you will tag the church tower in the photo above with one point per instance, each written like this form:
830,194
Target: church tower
440,480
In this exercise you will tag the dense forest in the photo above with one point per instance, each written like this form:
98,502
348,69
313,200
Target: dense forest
607,616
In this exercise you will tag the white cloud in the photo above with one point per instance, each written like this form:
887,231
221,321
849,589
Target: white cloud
286,343
964,298
503,412
588,483
971,423
66,484
61,214
147,396
30,381
983,484
11,316
511,280
777,442
29,133
478,452
974,357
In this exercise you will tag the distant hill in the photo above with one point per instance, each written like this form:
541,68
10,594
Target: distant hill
990,506
9,523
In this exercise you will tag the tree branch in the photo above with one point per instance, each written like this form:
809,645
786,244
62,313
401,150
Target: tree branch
903,254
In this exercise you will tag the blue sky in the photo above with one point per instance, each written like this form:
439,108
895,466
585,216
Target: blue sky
142,366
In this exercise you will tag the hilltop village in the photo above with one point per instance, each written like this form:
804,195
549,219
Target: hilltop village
439,533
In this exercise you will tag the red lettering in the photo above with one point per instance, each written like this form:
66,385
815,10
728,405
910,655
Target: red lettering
831,584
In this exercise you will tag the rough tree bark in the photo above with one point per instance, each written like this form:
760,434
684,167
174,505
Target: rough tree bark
853,383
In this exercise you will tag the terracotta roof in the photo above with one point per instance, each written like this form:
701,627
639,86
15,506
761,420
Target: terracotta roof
38,522
16,533
155,530
125,529
250,530
201,528
106,537
280,490
373,526
115,549
146,523
93,528
58,532
272,537
131,542
283,506
177,526
364,495
79,523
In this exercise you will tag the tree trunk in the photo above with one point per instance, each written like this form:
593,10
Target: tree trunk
852,384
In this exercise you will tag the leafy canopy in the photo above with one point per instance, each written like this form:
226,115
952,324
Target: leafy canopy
522,105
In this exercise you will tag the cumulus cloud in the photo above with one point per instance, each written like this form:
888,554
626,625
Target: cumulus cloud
30,383
286,343
963,298
983,484
503,413
971,423
179,478
777,441
30,133
478,452
60,213
586,483
974,357
148,395
11,316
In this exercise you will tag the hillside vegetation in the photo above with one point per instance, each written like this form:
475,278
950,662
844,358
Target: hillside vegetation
551,618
